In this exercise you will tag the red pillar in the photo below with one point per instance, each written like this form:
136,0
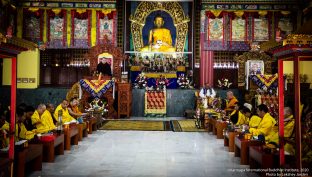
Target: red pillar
12,107
281,111
206,63
297,113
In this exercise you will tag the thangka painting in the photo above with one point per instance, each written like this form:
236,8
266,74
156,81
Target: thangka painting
285,25
238,29
81,28
56,28
261,29
215,29
32,28
106,28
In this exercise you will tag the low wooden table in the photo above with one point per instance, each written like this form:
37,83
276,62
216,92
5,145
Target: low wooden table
92,125
5,167
31,155
229,140
82,130
241,149
70,135
50,148
220,126
213,123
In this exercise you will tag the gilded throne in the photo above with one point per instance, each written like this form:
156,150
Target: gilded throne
94,55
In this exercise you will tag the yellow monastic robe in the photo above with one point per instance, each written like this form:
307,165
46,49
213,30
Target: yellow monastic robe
288,132
66,117
6,127
48,120
231,104
254,121
162,34
40,123
242,119
265,126
22,133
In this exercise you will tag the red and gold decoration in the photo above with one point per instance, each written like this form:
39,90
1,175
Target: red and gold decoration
81,28
155,103
106,25
96,88
56,27
33,24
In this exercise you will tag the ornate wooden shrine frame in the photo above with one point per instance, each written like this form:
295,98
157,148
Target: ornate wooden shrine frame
175,10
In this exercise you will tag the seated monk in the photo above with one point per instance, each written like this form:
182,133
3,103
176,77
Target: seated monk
21,133
37,121
74,110
29,111
66,117
231,101
48,116
253,120
237,117
267,122
289,124
160,39
4,129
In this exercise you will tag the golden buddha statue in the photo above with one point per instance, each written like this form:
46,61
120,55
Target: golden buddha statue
159,38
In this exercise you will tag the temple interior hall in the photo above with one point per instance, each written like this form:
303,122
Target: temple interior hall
167,88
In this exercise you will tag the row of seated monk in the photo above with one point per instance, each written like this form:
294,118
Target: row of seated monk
261,123
43,119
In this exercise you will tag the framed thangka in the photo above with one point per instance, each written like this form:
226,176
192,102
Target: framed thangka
285,25
215,29
238,29
261,29
106,25
32,27
81,29
56,28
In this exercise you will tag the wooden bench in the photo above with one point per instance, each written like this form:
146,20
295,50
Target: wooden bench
5,167
82,130
229,140
220,126
92,125
32,156
50,148
241,149
70,135
213,125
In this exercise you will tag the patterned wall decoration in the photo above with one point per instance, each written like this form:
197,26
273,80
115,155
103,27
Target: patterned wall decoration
56,28
285,25
107,26
261,29
81,28
32,24
215,28
238,29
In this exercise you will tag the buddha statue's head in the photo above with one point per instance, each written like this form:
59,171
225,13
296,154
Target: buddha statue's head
159,21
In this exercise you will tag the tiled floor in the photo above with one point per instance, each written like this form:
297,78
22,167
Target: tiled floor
145,154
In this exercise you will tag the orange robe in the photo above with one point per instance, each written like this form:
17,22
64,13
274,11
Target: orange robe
231,104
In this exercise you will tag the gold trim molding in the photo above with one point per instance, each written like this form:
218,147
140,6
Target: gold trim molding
175,10
297,39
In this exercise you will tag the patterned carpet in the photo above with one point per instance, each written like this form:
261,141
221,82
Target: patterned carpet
185,126
139,125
